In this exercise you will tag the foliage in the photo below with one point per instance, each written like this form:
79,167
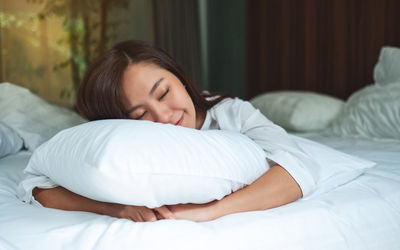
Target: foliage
87,25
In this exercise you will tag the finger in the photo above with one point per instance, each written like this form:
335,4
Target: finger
158,215
148,215
165,212
136,219
137,216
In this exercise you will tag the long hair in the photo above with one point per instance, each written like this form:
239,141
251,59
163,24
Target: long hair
100,95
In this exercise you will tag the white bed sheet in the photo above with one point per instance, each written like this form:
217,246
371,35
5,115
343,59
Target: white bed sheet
363,214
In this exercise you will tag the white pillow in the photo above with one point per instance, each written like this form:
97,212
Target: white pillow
10,142
148,164
372,112
297,110
151,164
32,118
387,69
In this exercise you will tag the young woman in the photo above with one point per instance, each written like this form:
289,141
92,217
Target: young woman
135,80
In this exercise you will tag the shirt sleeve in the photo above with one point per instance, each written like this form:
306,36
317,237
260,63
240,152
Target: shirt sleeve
33,179
241,116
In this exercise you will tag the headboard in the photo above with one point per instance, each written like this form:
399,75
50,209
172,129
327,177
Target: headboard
328,46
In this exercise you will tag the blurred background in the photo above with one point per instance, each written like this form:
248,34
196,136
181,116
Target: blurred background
46,45
238,47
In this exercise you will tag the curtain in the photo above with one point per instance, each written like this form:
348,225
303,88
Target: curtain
177,31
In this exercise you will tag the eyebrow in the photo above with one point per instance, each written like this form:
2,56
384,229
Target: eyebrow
153,89
156,84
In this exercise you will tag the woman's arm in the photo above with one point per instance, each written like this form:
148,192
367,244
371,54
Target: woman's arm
279,147
64,199
274,188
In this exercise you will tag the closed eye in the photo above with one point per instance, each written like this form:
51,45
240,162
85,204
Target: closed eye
140,117
163,95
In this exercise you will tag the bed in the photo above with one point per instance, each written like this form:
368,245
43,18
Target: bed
363,213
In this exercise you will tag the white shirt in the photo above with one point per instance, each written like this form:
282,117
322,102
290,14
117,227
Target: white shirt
240,116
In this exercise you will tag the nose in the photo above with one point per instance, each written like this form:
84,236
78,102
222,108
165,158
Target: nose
161,113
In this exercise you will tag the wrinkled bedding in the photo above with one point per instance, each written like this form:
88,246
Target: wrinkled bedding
362,214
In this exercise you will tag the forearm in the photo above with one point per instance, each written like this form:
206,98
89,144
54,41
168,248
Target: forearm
274,188
64,199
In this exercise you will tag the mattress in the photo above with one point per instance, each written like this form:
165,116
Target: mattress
362,214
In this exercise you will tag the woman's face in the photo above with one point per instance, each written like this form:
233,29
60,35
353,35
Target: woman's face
155,94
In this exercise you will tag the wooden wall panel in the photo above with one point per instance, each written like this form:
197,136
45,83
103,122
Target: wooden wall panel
327,46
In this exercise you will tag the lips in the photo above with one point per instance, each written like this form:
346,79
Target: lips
179,123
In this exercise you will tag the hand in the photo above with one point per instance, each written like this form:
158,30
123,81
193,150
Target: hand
194,212
138,213
61,198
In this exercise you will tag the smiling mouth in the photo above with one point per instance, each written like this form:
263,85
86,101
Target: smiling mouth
178,123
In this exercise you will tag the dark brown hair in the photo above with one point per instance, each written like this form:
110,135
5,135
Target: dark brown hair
100,94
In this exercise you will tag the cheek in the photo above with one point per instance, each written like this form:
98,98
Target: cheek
186,103
182,98
189,104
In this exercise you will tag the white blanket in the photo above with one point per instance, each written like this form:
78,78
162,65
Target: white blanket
362,214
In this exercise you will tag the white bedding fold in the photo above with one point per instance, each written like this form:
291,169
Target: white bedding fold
362,214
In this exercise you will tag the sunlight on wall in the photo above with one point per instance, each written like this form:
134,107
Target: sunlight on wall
29,49
46,45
